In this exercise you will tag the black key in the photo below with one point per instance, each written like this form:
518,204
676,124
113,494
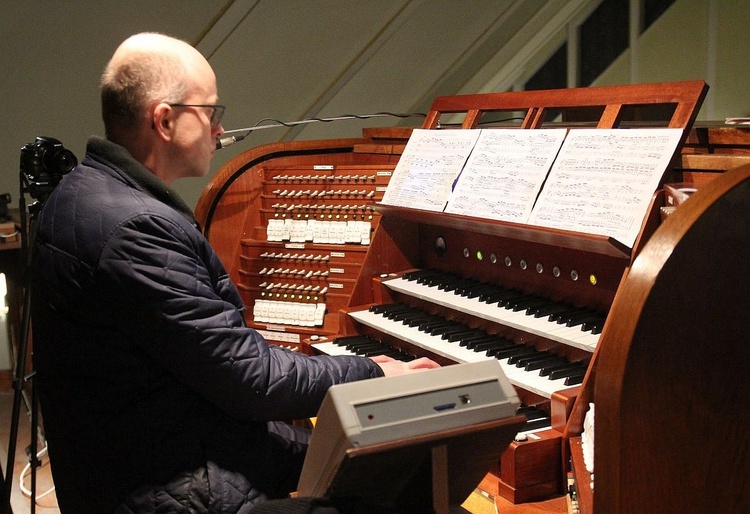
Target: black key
388,308
415,276
426,326
530,303
453,284
458,335
487,346
511,301
522,361
435,280
551,308
595,326
581,313
500,294
575,379
479,290
533,352
504,353
538,423
447,327
400,315
407,316
535,418
470,285
479,338
419,320
363,347
543,363
558,367
341,341
563,316
580,320
565,373
470,333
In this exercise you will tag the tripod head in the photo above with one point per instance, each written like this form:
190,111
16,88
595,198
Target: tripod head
43,164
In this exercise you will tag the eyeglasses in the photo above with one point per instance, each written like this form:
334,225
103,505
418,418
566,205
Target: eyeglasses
217,111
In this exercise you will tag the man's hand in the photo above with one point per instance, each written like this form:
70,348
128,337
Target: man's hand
392,367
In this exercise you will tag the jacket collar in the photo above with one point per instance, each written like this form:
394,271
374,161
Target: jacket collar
122,162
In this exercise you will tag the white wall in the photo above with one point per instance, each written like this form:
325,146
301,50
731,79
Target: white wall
696,40
52,55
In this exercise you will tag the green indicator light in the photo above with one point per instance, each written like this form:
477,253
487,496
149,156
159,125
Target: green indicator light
480,256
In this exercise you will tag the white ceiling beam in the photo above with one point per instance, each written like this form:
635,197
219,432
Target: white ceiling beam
222,26
534,50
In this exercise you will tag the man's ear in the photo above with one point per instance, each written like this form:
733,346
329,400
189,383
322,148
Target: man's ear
162,120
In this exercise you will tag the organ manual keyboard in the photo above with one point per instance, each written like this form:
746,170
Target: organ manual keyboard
462,289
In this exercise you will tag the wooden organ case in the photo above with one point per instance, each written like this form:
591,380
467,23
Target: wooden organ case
673,362
458,289
416,261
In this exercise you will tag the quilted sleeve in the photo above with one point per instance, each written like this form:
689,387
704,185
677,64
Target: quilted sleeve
184,313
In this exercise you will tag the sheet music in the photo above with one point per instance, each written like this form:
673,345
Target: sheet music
427,169
603,180
504,173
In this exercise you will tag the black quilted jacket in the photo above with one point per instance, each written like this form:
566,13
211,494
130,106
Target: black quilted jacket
154,394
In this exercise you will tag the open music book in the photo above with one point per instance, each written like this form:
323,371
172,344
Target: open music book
595,181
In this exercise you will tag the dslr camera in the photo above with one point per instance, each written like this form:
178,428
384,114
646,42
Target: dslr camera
43,164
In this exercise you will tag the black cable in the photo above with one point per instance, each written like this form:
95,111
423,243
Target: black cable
275,123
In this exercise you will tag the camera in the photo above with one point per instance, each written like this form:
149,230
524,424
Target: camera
43,164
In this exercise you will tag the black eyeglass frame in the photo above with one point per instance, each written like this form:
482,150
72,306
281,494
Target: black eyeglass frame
217,112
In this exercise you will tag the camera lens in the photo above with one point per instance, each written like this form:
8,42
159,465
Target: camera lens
61,160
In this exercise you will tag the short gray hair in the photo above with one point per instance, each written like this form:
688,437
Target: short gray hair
131,84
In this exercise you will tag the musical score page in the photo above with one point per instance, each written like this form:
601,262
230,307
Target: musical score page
427,170
503,175
603,180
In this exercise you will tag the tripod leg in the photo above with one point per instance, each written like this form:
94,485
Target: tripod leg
34,459
19,378
18,382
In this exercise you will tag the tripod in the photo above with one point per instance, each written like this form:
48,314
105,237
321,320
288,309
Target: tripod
43,164
20,376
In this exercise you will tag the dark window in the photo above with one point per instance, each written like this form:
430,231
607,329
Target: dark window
604,36
652,9
553,74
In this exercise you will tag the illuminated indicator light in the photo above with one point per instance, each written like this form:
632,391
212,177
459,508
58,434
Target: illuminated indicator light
480,256
593,279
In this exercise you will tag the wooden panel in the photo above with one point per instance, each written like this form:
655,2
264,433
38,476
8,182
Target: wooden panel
672,388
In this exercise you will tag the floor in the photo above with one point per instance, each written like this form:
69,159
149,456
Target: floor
19,501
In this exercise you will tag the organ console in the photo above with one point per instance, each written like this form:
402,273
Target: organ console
325,268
